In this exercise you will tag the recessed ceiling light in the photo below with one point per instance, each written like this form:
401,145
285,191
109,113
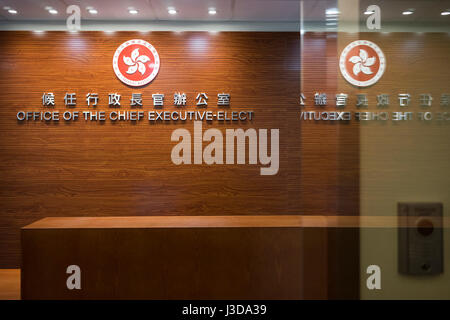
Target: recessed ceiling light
445,13
171,11
212,11
132,11
92,11
408,12
12,11
53,11
332,11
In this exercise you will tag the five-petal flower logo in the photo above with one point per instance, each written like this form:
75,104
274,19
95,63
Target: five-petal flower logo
136,62
362,62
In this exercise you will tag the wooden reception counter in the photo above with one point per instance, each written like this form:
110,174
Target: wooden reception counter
188,257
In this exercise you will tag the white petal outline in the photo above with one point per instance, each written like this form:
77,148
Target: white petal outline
143,59
128,61
357,68
363,54
370,61
141,67
355,59
346,68
135,54
366,70
119,65
132,69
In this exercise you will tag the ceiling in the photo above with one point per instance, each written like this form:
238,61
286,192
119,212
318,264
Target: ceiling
227,10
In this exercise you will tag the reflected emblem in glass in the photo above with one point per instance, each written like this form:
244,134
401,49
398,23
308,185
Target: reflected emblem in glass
362,63
136,62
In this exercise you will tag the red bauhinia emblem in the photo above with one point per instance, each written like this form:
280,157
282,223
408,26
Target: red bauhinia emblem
362,63
136,62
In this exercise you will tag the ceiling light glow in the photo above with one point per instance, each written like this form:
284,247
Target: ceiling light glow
408,12
171,11
212,11
332,12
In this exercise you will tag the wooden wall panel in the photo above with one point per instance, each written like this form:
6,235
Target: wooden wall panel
93,169
329,173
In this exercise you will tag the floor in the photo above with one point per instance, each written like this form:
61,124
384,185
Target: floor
9,284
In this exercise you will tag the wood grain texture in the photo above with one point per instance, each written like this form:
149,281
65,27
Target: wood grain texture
93,169
329,172
9,284
194,257
261,221
89,169
225,257
123,169
164,263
